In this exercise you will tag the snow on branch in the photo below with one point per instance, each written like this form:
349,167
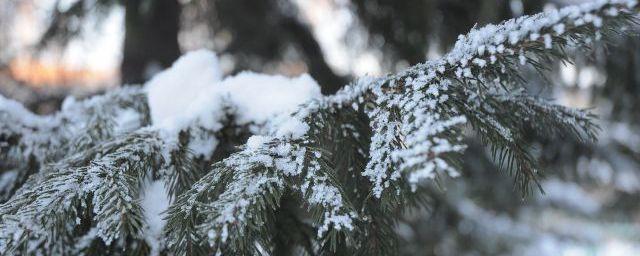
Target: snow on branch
27,141
353,159
202,105
417,117
99,192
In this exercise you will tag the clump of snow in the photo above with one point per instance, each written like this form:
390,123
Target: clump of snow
14,108
292,128
155,200
191,94
171,92
127,121
255,142
192,90
259,97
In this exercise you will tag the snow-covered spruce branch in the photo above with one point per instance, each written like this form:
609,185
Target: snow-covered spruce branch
78,195
417,117
28,141
354,160
178,144
239,195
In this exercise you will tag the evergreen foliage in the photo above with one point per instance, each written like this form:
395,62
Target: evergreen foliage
333,177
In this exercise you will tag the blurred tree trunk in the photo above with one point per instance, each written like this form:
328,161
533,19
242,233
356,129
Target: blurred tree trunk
263,30
151,37
318,68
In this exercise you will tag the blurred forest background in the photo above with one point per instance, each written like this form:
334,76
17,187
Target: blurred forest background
50,49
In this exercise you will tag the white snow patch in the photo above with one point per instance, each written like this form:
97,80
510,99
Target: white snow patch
259,97
155,200
255,142
292,128
191,94
191,91
174,91
127,121
16,109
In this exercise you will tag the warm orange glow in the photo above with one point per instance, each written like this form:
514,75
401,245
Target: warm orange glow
43,74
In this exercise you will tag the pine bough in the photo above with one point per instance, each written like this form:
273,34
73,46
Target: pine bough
331,175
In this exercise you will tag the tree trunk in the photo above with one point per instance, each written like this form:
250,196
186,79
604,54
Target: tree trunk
151,37
265,31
